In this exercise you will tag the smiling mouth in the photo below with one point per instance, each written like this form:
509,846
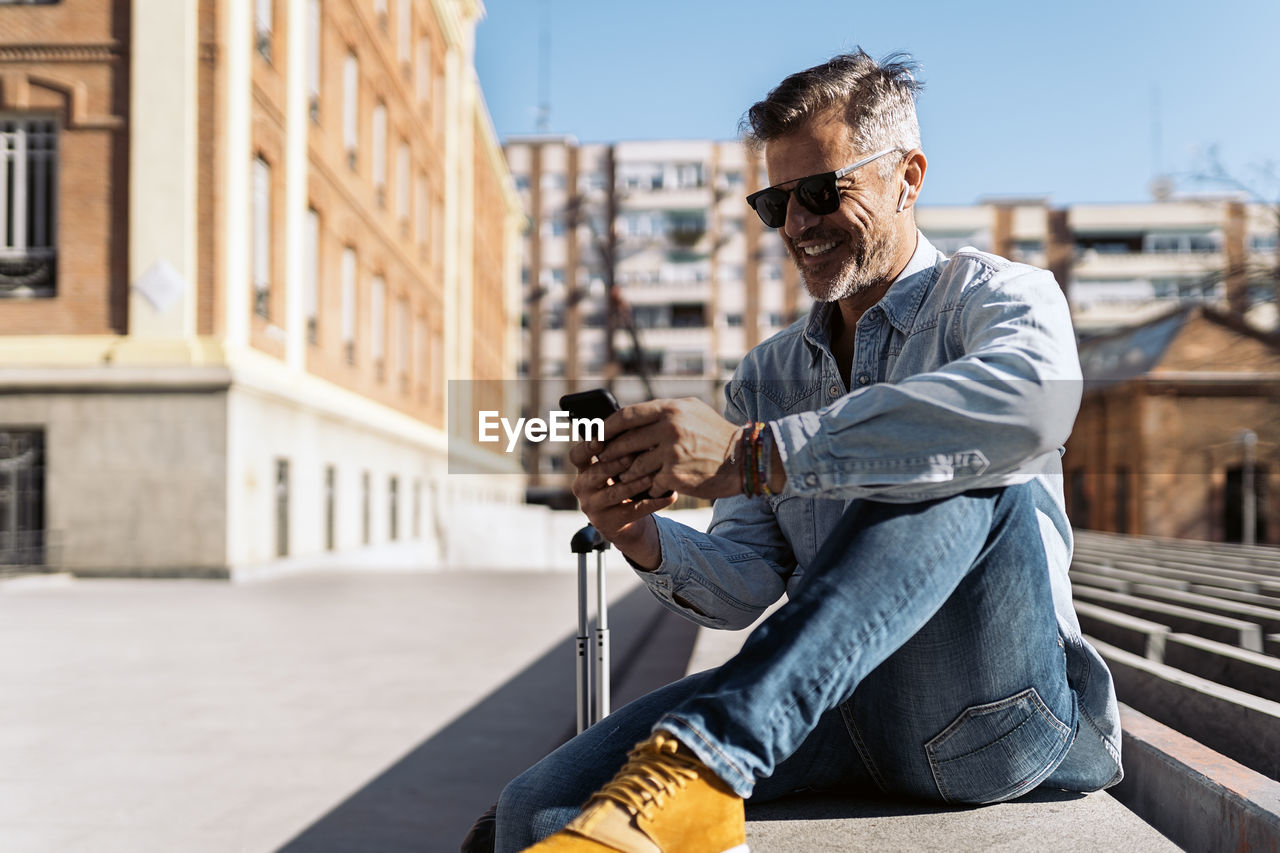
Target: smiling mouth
819,248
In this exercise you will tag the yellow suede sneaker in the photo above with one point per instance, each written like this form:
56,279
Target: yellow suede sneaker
663,801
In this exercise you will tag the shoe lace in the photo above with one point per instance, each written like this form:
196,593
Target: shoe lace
652,773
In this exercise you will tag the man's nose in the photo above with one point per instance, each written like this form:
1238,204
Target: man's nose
799,219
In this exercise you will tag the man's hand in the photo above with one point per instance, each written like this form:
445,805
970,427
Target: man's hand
681,445
627,523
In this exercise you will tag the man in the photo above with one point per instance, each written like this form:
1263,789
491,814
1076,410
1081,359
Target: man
891,463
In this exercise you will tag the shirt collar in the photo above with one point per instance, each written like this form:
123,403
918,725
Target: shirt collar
900,302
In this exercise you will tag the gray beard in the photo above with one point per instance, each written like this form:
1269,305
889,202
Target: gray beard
866,267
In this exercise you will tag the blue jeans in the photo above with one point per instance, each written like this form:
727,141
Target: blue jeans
921,656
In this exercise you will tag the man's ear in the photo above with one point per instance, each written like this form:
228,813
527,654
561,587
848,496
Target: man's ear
913,177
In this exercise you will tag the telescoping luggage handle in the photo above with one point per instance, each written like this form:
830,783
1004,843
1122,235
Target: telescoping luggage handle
585,541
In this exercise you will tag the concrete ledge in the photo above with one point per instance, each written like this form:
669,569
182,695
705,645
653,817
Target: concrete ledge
1044,821
1195,796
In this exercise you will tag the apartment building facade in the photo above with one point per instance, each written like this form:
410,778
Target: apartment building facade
662,226
245,244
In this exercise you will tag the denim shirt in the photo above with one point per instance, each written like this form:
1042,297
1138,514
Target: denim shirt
964,376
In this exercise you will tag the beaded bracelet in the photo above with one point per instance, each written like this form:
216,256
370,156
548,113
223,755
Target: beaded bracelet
757,459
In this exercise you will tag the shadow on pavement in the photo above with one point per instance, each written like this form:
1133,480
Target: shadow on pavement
428,799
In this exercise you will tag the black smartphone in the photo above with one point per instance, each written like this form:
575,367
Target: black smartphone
596,403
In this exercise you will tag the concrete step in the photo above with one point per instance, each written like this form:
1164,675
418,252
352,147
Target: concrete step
1241,726
1267,617
1250,672
1196,797
1127,576
1225,629
1131,633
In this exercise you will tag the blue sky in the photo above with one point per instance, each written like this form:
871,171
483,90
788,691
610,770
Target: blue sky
1058,99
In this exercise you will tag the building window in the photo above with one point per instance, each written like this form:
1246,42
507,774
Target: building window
311,273
378,323
28,215
263,21
351,108
417,509
379,142
393,522
419,369
22,498
403,343
282,507
404,33
404,167
349,304
1262,243
1198,242
330,506
366,516
424,69
261,237
424,209
313,58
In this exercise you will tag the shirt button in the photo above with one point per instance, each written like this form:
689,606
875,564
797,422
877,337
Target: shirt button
834,390
811,479
863,379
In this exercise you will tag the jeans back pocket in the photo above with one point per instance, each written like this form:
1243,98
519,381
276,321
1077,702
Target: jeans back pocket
999,750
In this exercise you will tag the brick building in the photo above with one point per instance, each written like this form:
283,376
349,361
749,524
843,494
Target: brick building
245,244
1179,413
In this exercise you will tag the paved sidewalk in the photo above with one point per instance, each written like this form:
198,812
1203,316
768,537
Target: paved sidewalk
324,712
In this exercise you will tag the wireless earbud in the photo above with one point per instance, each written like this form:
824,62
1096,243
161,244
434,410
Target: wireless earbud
902,200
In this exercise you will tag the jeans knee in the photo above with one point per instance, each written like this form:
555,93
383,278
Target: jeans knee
530,808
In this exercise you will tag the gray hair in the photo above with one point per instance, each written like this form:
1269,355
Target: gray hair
877,99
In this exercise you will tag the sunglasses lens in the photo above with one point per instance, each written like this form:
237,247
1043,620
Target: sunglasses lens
818,195
772,207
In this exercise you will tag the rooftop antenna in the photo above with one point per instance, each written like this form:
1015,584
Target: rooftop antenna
544,69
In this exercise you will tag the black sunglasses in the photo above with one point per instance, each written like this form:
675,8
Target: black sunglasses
817,194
